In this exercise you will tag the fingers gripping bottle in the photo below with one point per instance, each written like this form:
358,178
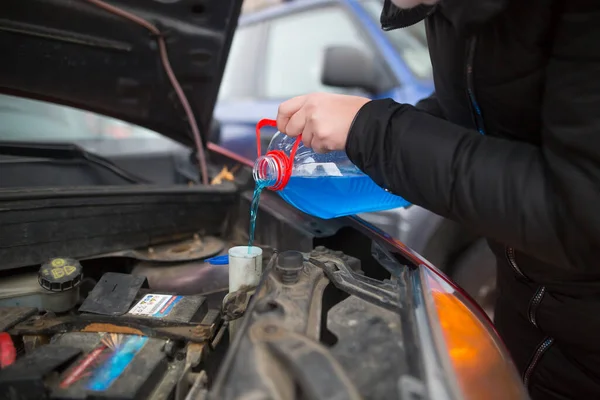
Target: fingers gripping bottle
322,185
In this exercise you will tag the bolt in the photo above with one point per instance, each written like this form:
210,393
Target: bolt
289,266
170,348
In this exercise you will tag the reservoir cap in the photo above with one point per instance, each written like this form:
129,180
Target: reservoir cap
290,260
60,274
289,265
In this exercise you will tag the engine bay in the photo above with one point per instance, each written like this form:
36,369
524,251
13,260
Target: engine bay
126,294
155,326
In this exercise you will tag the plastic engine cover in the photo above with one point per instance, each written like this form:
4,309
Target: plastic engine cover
317,328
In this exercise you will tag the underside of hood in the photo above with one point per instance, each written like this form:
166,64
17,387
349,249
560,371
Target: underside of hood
106,57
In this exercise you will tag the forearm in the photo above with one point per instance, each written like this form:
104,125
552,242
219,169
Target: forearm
497,187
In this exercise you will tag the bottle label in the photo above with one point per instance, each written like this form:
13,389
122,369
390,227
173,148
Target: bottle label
319,169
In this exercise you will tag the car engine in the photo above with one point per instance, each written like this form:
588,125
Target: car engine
160,324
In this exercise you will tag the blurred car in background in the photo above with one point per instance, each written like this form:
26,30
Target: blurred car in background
315,45
338,46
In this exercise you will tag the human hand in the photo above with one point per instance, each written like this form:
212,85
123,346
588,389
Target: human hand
323,119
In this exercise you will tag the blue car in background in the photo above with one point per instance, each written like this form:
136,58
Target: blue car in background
304,46
315,45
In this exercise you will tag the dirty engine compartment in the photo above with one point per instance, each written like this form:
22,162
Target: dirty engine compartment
157,322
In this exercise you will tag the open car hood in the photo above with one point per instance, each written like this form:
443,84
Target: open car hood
79,54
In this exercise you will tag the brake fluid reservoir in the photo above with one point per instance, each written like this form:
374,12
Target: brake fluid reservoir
323,185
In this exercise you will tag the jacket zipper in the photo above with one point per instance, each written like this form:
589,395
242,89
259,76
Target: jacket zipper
473,104
510,257
535,360
539,294
534,304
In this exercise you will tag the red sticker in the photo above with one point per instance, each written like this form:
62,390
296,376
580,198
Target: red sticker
82,367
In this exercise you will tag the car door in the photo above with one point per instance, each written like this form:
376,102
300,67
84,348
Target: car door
288,60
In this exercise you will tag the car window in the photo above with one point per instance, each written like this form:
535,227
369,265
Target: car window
409,42
295,47
32,120
239,76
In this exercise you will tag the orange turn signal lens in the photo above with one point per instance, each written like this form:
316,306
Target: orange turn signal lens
482,366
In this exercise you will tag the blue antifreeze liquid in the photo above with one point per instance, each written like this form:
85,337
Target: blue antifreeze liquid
260,185
337,196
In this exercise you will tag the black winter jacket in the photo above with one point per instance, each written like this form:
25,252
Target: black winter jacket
509,146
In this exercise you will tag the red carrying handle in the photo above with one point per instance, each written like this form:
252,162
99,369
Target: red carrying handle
284,163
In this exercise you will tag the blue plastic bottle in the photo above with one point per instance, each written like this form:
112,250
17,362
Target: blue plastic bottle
323,185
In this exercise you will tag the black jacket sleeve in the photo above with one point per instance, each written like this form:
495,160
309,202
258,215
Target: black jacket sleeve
431,106
538,199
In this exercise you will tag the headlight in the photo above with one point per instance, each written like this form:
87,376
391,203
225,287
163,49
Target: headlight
477,357
463,356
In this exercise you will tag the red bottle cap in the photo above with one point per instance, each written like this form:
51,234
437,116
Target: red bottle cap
284,163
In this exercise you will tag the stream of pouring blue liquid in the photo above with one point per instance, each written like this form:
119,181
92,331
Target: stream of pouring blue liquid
260,185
